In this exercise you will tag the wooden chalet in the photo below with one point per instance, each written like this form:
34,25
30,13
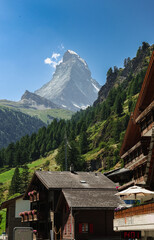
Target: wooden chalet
86,214
71,205
14,206
137,149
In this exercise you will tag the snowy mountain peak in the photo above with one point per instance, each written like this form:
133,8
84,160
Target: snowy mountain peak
69,54
72,52
72,86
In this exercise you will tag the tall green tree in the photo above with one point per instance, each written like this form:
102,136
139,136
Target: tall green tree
15,186
118,105
70,152
83,143
24,178
117,130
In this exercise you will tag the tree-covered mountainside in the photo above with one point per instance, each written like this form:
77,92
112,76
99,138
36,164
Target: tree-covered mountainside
14,125
93,136
17,121
131,68
46,115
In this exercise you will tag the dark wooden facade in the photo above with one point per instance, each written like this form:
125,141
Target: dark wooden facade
137,149
82,223
50,212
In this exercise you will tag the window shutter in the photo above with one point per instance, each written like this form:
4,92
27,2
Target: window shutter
65,229
80,228
91,228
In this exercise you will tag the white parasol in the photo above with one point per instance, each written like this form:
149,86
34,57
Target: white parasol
136,193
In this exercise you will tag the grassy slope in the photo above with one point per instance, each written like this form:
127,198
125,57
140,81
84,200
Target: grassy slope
97,133
45,115
2,225
6,176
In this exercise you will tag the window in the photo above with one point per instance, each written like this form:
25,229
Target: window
85,228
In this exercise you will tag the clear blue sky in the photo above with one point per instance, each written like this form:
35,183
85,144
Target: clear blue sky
103,32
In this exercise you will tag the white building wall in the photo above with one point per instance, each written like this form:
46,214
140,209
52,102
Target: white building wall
143,223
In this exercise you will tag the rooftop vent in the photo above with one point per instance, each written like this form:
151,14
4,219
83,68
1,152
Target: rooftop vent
72,168
82,181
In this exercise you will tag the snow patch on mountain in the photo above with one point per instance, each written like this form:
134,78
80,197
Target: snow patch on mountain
72,52
97,89
71,85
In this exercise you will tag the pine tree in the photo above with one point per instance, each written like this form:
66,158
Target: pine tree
118,105
83,143
73,156
10,154
109,72
15,186
60,157
24,178
117,130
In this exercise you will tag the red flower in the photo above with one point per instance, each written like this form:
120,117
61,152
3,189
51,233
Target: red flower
34,211
21,214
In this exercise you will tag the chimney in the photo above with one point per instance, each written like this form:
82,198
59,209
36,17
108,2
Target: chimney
72,168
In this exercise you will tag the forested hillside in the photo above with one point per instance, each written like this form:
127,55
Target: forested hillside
17,120
14,125
93,136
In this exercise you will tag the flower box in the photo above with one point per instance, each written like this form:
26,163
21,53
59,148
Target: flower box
25,216
30,216
33,196
35,215
36,196
21,214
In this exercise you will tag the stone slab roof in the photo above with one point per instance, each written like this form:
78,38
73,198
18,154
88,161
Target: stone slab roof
91,198
80,180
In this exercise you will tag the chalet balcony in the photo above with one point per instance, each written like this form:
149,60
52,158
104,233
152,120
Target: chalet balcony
29,216
145,119
135,218
34,196
137,155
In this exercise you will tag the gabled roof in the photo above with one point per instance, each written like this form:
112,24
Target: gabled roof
91,198
10,201
66,179
145,98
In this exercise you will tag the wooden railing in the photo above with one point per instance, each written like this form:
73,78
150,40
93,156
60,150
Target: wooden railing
137,210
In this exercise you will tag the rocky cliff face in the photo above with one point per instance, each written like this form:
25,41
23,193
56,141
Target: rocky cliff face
132,67
32,100
72,86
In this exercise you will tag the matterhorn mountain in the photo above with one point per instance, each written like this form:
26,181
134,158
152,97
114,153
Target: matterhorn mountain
72,86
